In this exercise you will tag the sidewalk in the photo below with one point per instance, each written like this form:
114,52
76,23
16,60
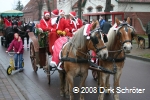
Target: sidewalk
138,53
19,87
8,90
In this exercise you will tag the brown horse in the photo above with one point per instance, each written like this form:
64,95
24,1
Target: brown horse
77,56
119,43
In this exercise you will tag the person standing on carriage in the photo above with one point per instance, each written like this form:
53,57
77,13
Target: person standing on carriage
43,27
62,25
101,21
53,36
44,22
74,22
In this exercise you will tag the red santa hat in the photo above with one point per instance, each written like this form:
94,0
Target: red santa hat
55,12
46,13
61,12
73,14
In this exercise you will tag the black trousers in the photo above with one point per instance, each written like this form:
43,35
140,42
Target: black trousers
148,40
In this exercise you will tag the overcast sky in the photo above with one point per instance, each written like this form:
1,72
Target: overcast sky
10,4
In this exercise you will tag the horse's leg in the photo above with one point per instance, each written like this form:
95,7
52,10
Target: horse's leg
103,77
71,84
116,82
82,83
66,87
107,84
62,82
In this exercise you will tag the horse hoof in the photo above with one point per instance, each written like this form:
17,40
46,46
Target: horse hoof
62,94
67,96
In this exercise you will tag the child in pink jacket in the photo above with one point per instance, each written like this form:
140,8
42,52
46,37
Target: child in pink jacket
18,48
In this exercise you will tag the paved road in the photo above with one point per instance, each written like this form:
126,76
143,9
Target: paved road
135,74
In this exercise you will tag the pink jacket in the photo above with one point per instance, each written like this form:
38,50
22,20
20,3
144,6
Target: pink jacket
18,46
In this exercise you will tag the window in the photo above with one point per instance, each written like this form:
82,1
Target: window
99,9
112,7
90,9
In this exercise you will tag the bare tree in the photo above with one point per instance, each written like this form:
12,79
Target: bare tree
48,5
108,6
39,6
79,8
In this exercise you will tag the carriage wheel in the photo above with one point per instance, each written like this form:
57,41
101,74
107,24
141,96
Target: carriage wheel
32,57
48,68
95,75
2,42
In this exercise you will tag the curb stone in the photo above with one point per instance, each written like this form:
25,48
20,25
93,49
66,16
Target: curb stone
139,58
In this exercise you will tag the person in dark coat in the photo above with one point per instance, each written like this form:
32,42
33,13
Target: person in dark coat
148,33
105,28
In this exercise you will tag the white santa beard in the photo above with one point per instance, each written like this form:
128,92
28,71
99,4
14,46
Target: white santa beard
53,20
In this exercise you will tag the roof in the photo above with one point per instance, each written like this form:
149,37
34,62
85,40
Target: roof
76,4
104,13
30,7
133,1
12,13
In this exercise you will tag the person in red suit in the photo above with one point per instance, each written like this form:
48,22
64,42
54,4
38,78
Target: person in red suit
44,22
62,25
7,22
53,36
74,22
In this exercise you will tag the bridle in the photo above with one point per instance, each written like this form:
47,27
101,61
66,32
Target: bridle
95,39
126,29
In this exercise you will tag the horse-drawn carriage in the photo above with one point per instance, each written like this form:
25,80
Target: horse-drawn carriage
9,31
76,59
39,52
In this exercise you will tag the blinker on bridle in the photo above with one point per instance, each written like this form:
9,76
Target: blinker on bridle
95,39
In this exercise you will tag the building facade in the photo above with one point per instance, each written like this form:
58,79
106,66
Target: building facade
31,11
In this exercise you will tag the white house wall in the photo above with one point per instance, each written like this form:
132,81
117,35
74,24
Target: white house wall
136,7
66,5
94,3
126,7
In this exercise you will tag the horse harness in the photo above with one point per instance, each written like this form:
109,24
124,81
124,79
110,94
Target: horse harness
115,59
126,29
112,59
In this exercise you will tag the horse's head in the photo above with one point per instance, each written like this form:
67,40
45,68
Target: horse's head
125,33
96,42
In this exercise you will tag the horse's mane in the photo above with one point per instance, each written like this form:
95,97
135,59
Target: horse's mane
78,40
111,37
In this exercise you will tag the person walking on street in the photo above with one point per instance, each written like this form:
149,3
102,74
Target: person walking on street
148,33
105,27
101,21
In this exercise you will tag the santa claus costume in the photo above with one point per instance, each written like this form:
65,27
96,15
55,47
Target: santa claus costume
62,25
7,22
44,22
74,23
53,36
